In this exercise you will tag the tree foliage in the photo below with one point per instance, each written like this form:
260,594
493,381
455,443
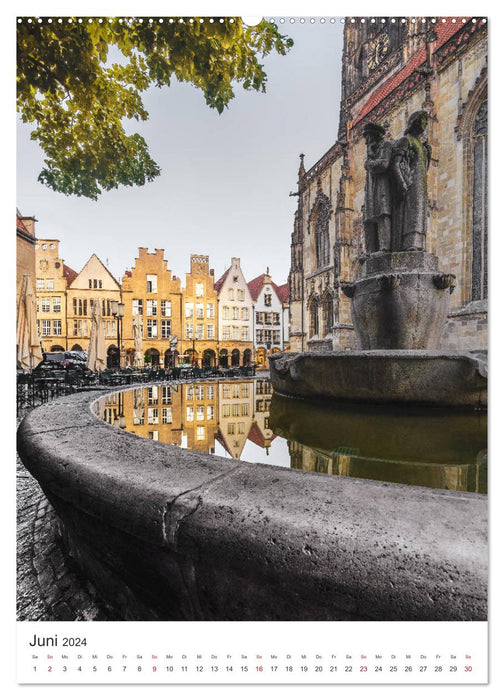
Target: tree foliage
79,102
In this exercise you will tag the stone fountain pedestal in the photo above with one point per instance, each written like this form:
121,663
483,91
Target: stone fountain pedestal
399,307
401,301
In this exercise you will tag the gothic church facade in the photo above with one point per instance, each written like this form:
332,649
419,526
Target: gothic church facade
392,68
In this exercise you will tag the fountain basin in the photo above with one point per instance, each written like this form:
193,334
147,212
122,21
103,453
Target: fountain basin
415,377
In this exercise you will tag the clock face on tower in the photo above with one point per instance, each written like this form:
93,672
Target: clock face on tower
377,51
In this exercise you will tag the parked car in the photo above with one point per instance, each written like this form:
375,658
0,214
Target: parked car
65,360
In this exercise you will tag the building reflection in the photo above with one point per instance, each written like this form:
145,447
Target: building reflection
432,449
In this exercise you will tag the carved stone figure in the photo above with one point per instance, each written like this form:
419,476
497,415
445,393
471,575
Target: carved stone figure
377,202
410,162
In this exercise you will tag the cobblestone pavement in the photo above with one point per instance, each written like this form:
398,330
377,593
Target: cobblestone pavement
48,587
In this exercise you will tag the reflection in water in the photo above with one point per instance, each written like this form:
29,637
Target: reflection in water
242,419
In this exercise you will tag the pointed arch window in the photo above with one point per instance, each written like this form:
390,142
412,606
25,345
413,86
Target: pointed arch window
327,314
314,317
479,269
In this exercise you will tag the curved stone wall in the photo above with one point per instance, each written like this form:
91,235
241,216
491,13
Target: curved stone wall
166,533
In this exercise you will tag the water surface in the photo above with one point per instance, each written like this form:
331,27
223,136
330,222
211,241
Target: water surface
244,419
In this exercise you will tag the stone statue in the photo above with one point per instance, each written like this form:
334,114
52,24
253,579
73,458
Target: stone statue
377,202
410,162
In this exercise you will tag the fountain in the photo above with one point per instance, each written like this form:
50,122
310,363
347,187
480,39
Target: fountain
399,303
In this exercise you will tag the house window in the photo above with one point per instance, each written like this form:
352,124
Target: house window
226,333
137,307
267,300
245,391
166,415
151,284
245,314
56,327
236,333
200,413
151,307
189,393
259,336
245,409
231,428
236,409
200,331
240,294
189,310
189,414
165,329
50,285
189,330
200,310
231,294
236,313
259,317
200,392
245,334
152,328
153,434
276,318
210,393
165,308
46,327
167,395
276,337
225,312
40,284
152,395
200,289
236,391
226,391
210,413
210,332
226,410
241,428
152,416
56,305
46,304
210,311
200,432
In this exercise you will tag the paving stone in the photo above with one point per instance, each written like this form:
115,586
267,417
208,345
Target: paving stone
47,588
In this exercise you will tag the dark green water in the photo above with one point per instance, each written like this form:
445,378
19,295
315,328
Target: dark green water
244,419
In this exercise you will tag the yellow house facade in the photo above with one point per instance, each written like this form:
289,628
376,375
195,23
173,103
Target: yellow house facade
151,292
93,282
199,343
51,280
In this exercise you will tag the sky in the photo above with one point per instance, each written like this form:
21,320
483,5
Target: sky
225,181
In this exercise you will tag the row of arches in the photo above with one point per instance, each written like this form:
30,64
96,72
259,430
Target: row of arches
154,358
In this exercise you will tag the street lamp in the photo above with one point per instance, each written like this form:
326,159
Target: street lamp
118,313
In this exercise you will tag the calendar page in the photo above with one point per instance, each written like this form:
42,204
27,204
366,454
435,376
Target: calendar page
251,347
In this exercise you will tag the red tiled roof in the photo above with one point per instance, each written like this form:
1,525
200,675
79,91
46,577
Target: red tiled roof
255,286
443,32
258,283
255,435
69,274
127,273
283,292
220,281
21,226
